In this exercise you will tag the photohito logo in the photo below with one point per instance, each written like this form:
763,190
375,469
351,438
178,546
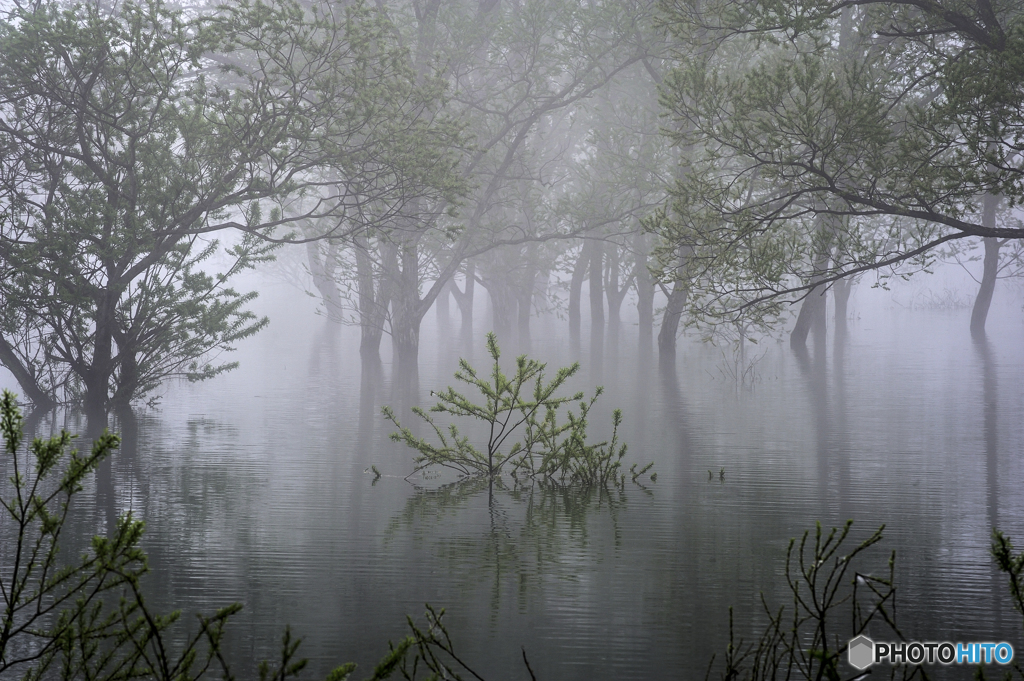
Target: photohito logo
863,652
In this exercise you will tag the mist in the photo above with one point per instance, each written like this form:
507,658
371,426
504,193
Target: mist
317,264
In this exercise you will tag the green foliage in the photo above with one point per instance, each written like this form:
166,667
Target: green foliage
133,131
84,618
526,404
821,140
288,666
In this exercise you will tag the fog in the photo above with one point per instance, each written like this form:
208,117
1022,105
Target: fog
780,241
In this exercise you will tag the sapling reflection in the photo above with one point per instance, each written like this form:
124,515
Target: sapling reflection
525,437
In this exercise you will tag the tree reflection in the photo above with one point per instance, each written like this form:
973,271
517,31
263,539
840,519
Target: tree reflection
990,400
514,533
827,406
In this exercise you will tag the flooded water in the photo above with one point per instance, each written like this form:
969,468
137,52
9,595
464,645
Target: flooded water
254,487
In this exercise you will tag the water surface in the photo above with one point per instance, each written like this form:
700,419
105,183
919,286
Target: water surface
254,488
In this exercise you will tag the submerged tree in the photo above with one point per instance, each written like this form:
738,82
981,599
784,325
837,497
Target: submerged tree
517,74
130,134
837,138
524,433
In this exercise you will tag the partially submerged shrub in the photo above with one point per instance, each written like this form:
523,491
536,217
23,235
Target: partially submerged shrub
526,405
806,643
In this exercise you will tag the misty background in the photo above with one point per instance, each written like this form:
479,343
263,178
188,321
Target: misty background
794,267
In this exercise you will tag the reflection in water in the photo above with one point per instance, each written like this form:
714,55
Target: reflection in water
840,435
253,489
990,400
990,428
33,422
370,388
106,492
828,411
126,425
511,538
675,412
325,354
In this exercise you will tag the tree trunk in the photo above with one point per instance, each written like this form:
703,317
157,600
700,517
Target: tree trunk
405,338
979,315
464,299
503,306
841,289
25,378
612,292
644,293
442,309
579,273
811,317
405,313
524,296
524,309
596,304
615,292
812,310
323,271
670,320
127,379
841,295
596,254
97,376
401,268
372,302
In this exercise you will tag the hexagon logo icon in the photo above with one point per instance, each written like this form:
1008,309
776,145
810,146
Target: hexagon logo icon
861,652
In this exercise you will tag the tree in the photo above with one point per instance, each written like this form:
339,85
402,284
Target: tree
620,174
811,166
131,134
516,73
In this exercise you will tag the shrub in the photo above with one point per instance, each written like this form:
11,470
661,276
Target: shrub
522,403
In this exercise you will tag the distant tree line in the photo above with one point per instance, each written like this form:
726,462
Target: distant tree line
133,135
736,157
829,139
